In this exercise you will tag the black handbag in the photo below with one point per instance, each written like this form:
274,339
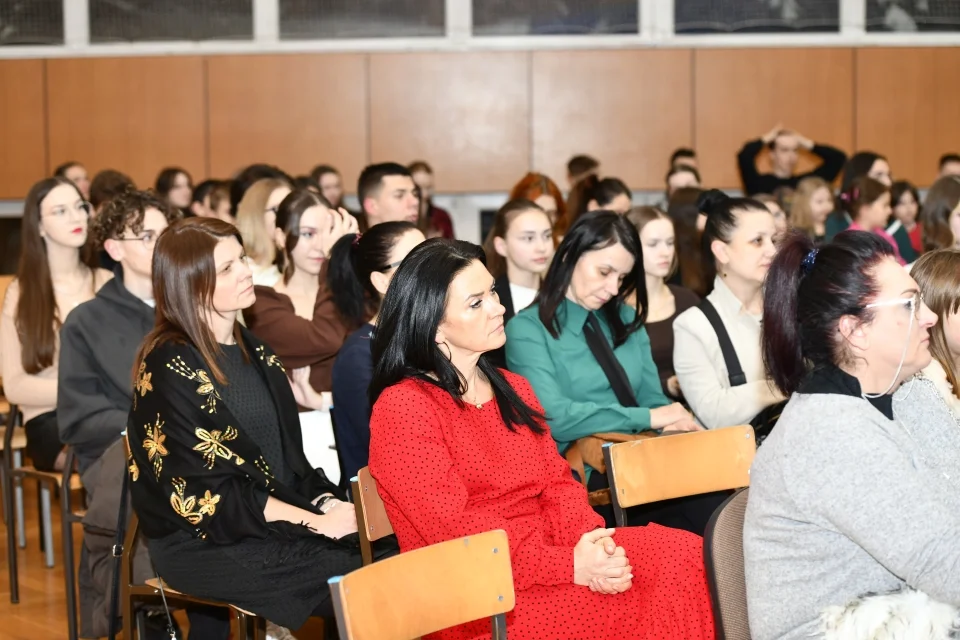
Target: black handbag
764,422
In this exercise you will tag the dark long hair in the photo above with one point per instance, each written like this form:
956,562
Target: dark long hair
942,198
353,259
166,179
184,280
592,188
683,210
592,232
404,344
805,297
858,166
38,319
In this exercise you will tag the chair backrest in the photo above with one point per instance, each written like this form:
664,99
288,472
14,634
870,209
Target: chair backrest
723,557
680,465
426,590
372,521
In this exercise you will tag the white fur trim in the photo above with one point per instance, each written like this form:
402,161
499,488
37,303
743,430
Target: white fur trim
902,615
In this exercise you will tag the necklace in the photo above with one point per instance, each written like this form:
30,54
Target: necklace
478,405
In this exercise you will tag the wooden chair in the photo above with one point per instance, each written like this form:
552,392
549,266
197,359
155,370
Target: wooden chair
723,557
423,591
372,521
69,517
252,627
676,466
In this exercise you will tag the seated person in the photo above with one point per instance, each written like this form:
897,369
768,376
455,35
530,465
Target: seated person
854,492
460,447
229,505
360,271
938,275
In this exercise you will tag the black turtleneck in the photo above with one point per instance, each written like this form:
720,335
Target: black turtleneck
832,379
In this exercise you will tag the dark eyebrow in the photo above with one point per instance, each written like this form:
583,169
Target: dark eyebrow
912,290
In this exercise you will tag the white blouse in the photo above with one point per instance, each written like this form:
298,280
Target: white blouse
702,373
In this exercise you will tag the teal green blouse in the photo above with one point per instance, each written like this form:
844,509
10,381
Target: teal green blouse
568,380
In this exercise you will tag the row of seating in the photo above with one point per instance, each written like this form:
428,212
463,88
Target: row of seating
434,596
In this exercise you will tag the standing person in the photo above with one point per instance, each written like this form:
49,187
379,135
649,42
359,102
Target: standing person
664,301
434,222
230,508
738,246
53,278
361,268
783,146
459,446
387,192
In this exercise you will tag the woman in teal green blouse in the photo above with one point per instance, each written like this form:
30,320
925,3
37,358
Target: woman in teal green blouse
596,267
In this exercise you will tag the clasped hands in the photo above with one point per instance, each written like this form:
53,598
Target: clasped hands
600,564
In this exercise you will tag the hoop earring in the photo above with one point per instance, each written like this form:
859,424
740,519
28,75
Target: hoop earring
448,354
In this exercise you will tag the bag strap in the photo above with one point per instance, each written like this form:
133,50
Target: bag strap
118,555
734,370
612,368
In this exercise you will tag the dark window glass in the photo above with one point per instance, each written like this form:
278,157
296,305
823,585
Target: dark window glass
327,19
158,20
34,22
554,17
913,15
756,16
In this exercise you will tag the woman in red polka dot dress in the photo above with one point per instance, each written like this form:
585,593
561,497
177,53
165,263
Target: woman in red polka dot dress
459,447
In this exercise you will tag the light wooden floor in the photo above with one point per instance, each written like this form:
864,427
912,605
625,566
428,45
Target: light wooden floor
41,613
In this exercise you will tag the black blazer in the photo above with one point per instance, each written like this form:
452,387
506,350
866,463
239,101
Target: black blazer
192,466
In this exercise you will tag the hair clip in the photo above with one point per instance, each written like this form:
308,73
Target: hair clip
808,261
356,239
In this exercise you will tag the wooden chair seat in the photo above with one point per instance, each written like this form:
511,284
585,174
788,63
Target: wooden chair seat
170,591
19,439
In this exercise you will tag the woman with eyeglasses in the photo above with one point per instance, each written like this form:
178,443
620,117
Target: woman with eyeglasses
297,316
257,222
57,272
361,268
855,491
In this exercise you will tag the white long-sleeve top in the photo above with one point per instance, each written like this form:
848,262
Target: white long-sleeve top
702,373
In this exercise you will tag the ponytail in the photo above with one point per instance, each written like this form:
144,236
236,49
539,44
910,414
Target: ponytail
344,281
807,291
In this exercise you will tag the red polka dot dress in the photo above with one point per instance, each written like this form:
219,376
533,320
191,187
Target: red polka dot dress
446,471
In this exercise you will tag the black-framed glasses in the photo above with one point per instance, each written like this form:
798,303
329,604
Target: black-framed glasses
148,239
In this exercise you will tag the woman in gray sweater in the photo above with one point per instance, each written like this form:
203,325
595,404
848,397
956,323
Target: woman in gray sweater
856,490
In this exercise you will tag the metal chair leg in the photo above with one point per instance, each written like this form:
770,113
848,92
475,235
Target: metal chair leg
46,523
69,573
11,538
18,501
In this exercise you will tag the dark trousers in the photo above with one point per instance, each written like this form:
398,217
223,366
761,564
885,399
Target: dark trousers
690,514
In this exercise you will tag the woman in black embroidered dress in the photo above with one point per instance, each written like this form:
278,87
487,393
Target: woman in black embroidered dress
231,509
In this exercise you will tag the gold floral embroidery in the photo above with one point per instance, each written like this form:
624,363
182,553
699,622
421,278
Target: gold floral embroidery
262,465
211,445
272,360
153,443
184,505
205,387
143,382
134,469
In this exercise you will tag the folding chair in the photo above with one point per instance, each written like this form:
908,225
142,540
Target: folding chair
677,466
372,521
423,591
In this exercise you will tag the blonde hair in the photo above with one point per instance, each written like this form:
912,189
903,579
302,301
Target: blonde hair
938,274
800,216
250,212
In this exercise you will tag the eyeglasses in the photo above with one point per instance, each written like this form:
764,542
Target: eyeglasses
913,304
148,239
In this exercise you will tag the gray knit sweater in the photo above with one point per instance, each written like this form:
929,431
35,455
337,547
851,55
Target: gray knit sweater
846,502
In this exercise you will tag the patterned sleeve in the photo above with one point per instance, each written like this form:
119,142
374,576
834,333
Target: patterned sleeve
183,447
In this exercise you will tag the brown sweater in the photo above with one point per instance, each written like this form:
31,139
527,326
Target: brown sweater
300,342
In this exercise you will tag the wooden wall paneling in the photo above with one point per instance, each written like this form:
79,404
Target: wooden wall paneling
908,107
467,114
23,142
295,111
135,114
628,109
740,94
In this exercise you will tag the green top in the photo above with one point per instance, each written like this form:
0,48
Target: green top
568,380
